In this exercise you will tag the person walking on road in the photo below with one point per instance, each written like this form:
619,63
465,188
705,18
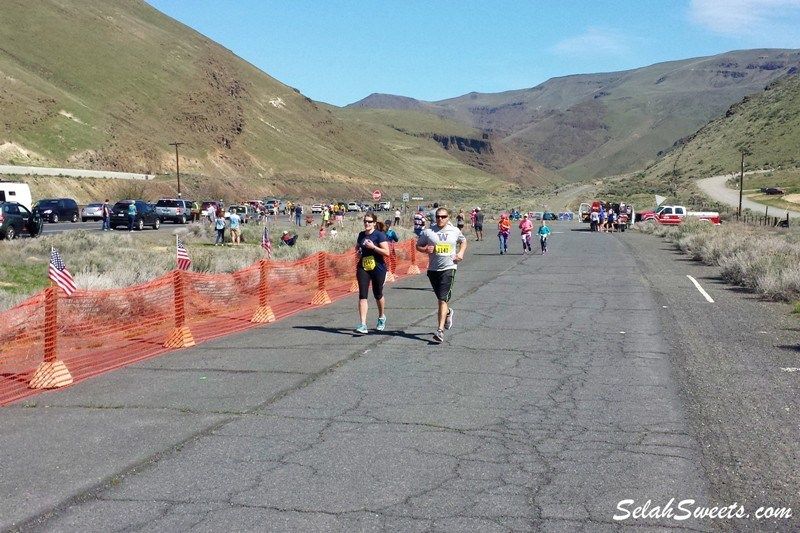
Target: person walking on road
106,210
526,228
503,229
373,248
460,217
397,217
419,222
445,246
543,232
298,214
478,224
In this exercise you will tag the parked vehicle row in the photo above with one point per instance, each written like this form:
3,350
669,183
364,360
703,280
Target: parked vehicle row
16,220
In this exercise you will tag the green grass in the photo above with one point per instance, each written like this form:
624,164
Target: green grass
23,278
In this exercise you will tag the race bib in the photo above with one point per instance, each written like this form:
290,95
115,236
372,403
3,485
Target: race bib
443,248
368,263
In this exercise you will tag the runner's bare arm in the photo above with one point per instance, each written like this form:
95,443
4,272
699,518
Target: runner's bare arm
462,249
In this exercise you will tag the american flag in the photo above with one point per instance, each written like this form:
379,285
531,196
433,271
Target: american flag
57,271
184,261
265,242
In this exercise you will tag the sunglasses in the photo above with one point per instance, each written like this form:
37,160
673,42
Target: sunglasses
369,221
442,216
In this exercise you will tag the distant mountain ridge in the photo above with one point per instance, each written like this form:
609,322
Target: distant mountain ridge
589,125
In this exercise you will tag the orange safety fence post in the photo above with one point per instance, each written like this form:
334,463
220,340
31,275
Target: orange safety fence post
264,311
321,297
392,264
413,269
52,372
354,283
181,336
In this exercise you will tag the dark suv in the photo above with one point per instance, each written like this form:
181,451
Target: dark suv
15,219
145,215
174,209
55,209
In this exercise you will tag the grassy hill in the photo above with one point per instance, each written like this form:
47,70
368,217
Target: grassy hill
766,124
108,85
592,125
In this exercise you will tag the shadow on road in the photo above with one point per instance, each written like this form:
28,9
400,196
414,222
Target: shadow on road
386,333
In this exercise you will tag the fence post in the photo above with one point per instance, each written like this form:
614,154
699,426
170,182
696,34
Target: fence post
264,311
766,214
321,297
413,269
52,372
354,283
392,266
181,336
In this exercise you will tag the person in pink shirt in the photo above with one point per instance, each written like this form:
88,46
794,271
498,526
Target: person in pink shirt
525,228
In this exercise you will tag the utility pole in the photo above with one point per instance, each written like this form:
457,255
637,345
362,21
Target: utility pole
744,151
178,168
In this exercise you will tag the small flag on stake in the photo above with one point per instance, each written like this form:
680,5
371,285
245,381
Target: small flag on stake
184,261
265,242
58,273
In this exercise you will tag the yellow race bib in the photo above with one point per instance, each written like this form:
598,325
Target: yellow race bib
368,263
443,248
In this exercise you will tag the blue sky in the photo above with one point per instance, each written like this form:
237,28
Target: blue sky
341,51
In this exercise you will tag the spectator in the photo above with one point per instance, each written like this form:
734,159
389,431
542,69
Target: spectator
288,239
236,230
298,214
219,225
106,216
333,233
391,234
396,217
131,215
322,233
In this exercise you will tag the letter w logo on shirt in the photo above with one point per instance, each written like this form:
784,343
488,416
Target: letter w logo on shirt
442,236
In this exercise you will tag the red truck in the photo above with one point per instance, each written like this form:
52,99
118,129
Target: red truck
675,214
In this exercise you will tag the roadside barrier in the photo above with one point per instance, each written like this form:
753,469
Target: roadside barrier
50,340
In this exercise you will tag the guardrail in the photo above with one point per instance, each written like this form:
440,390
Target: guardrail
50,341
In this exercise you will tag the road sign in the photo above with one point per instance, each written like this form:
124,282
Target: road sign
406,197
376,195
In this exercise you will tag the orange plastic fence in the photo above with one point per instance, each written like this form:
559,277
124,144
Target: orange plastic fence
51,340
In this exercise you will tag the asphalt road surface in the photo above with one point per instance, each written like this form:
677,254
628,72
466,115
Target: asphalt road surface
570,382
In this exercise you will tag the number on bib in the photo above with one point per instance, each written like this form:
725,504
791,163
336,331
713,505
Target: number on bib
368,263
443,248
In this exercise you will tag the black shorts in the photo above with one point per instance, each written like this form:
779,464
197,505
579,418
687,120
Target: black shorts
478,227
442,282
377,276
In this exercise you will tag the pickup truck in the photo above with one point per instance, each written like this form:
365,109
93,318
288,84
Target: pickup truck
675,214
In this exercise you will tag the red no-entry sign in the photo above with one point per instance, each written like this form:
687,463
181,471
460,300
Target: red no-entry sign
376,195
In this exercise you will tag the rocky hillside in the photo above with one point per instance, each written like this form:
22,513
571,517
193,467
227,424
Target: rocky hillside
601,124
108,85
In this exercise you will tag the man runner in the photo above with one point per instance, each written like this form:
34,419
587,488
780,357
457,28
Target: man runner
478,224
445,246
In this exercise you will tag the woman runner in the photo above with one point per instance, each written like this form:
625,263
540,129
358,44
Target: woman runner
373,248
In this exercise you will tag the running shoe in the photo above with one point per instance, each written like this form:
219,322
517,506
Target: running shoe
362,328
438,337
448,321
381,325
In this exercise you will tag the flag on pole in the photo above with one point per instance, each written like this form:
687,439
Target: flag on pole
58,273
265,242
184,261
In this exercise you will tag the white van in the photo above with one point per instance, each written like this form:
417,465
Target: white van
13,191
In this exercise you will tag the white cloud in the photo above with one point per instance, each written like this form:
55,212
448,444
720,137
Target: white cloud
737,17
593,42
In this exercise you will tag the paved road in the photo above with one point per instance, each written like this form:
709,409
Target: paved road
716,189
569,382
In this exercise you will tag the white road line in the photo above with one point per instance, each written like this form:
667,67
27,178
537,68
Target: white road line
699,288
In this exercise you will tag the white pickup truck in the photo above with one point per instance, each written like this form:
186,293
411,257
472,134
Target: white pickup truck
675,214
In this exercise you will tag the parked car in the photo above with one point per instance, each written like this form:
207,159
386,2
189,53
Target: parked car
537,215
92,212
774,190
549,216
316,208
145,215
14,191
245,212
55,209
275,206
15,220
353,206
176,210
